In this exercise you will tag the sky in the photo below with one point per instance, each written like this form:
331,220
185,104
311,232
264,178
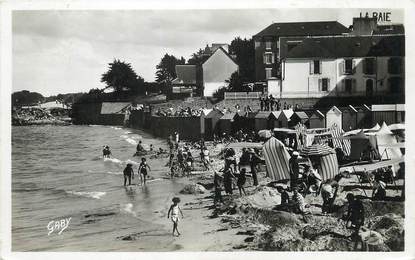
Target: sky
68,51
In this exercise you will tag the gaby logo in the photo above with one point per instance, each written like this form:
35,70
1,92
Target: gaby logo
58,225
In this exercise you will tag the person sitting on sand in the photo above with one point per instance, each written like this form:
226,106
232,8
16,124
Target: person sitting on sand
379,189
175,209
142,170
312,179
241,181
299,204
128,174
140,148
106,152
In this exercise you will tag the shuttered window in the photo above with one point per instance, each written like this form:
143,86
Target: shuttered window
268,73
369,66
348,66
268,58
268,45
315,67
348,85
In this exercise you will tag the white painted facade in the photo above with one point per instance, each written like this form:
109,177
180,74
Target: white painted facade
298,80
216,70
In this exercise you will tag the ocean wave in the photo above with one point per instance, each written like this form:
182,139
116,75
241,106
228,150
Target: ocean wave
116,128
132,162
156,179
129,139
87,194
113,160
115,173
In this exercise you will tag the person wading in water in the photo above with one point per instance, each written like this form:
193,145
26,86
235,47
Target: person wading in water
175,209
142,170
128,174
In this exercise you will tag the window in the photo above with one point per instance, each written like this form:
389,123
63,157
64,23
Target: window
395,85
257,44
369,66
268,58
348,85
395,65
317,69
268,45
325,84
369,87
348,66
268,73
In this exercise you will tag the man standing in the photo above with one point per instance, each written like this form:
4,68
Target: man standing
294,169
254,161
355,217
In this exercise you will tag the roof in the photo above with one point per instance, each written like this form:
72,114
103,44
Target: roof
262,114
348,108
229,116
334,109
251,114
344,46
301,114
214,113
186,74
389,29
317,113
114,107
362,108
275,114
303,29
390,107
226,53
287,113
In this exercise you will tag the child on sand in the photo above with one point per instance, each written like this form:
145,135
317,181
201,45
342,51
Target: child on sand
241,181
175,209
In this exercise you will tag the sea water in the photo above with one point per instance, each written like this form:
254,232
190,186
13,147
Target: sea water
59,175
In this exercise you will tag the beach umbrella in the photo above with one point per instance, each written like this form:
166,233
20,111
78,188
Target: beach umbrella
316,149
265,134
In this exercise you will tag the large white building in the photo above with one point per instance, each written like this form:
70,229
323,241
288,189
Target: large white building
217,69
314,67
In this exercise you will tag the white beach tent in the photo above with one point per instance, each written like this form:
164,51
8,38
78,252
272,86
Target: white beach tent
386,142
276,159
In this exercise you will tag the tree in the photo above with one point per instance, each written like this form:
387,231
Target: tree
121,77
166,69
244,51
235,83
198,58
25,97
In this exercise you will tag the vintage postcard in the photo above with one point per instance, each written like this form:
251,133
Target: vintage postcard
212,128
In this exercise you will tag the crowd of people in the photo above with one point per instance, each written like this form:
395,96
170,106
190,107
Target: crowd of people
270,103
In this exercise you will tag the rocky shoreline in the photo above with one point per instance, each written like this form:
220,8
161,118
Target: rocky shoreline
39,116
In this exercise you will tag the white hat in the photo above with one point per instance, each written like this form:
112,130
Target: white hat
295,153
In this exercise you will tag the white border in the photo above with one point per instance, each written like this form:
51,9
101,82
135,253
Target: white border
5,142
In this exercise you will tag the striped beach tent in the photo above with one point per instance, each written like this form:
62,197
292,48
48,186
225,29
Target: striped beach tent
276,159
316,150
339,142
325,157
328,167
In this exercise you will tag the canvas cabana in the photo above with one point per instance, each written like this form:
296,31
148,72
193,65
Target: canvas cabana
261,120
359,143
276,160
325,157
299,117
227,123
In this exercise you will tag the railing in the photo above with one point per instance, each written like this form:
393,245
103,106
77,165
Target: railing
243,95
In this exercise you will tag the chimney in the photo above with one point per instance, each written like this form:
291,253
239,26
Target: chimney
364,25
